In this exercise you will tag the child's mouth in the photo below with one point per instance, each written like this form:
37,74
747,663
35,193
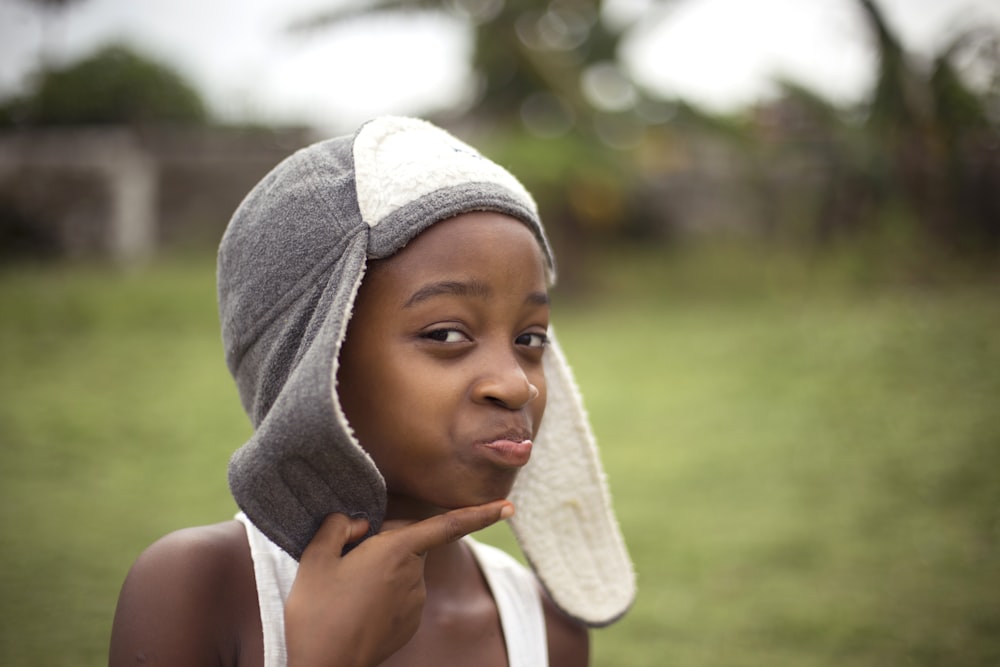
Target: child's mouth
509,452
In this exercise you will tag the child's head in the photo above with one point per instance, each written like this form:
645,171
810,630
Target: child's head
388,289
441,373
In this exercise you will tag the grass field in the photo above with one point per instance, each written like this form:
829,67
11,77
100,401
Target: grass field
807,469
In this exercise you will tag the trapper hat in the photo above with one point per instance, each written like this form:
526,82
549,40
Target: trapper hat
290,264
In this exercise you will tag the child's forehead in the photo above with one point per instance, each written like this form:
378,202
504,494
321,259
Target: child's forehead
456,251
470,233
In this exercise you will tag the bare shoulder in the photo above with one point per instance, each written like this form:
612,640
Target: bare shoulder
189,599
568,639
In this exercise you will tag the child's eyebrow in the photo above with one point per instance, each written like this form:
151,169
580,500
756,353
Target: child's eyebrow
538,299
473,288
449,288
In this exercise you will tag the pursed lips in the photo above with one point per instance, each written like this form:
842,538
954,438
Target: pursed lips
509,448
510,435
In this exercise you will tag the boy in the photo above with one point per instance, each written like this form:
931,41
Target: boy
393,415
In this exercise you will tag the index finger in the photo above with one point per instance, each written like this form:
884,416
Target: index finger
438,530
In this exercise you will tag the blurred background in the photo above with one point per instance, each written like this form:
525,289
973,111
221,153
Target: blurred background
778,226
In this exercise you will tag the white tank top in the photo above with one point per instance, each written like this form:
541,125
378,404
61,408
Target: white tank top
513,587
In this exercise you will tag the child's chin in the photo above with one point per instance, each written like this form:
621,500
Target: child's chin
473,499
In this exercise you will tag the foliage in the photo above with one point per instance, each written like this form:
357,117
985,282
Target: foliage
551,89
916,164
113,85
918,160
803,465
940,143
532,60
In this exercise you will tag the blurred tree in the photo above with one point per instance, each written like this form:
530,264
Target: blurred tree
923,151
114,85
553,102
553,65
943,149
966,127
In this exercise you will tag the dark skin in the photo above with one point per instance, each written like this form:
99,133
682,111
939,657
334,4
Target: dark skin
441,379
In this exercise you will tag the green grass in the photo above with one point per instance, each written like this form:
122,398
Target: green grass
806,466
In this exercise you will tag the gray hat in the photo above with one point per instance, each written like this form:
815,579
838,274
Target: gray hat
290,265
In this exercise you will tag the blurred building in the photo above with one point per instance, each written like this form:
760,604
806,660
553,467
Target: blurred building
127,193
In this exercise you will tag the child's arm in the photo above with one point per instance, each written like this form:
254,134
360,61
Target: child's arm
187,601
379,587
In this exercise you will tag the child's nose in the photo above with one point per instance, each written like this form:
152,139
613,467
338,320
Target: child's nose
505,383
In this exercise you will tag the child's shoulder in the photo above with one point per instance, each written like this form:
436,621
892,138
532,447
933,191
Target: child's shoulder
190,597
207,555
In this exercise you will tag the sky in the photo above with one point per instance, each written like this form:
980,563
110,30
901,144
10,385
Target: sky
721,54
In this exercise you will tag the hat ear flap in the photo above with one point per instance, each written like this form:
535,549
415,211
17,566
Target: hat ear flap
564,523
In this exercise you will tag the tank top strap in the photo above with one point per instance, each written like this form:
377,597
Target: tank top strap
274,571
519,603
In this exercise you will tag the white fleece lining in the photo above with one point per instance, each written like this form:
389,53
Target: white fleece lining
335,368
394,165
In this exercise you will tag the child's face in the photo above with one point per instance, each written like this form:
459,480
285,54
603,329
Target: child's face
441,370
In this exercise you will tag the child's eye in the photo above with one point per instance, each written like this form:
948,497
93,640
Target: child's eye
538,340
446,336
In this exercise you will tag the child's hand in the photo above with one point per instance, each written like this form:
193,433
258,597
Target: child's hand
361,608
